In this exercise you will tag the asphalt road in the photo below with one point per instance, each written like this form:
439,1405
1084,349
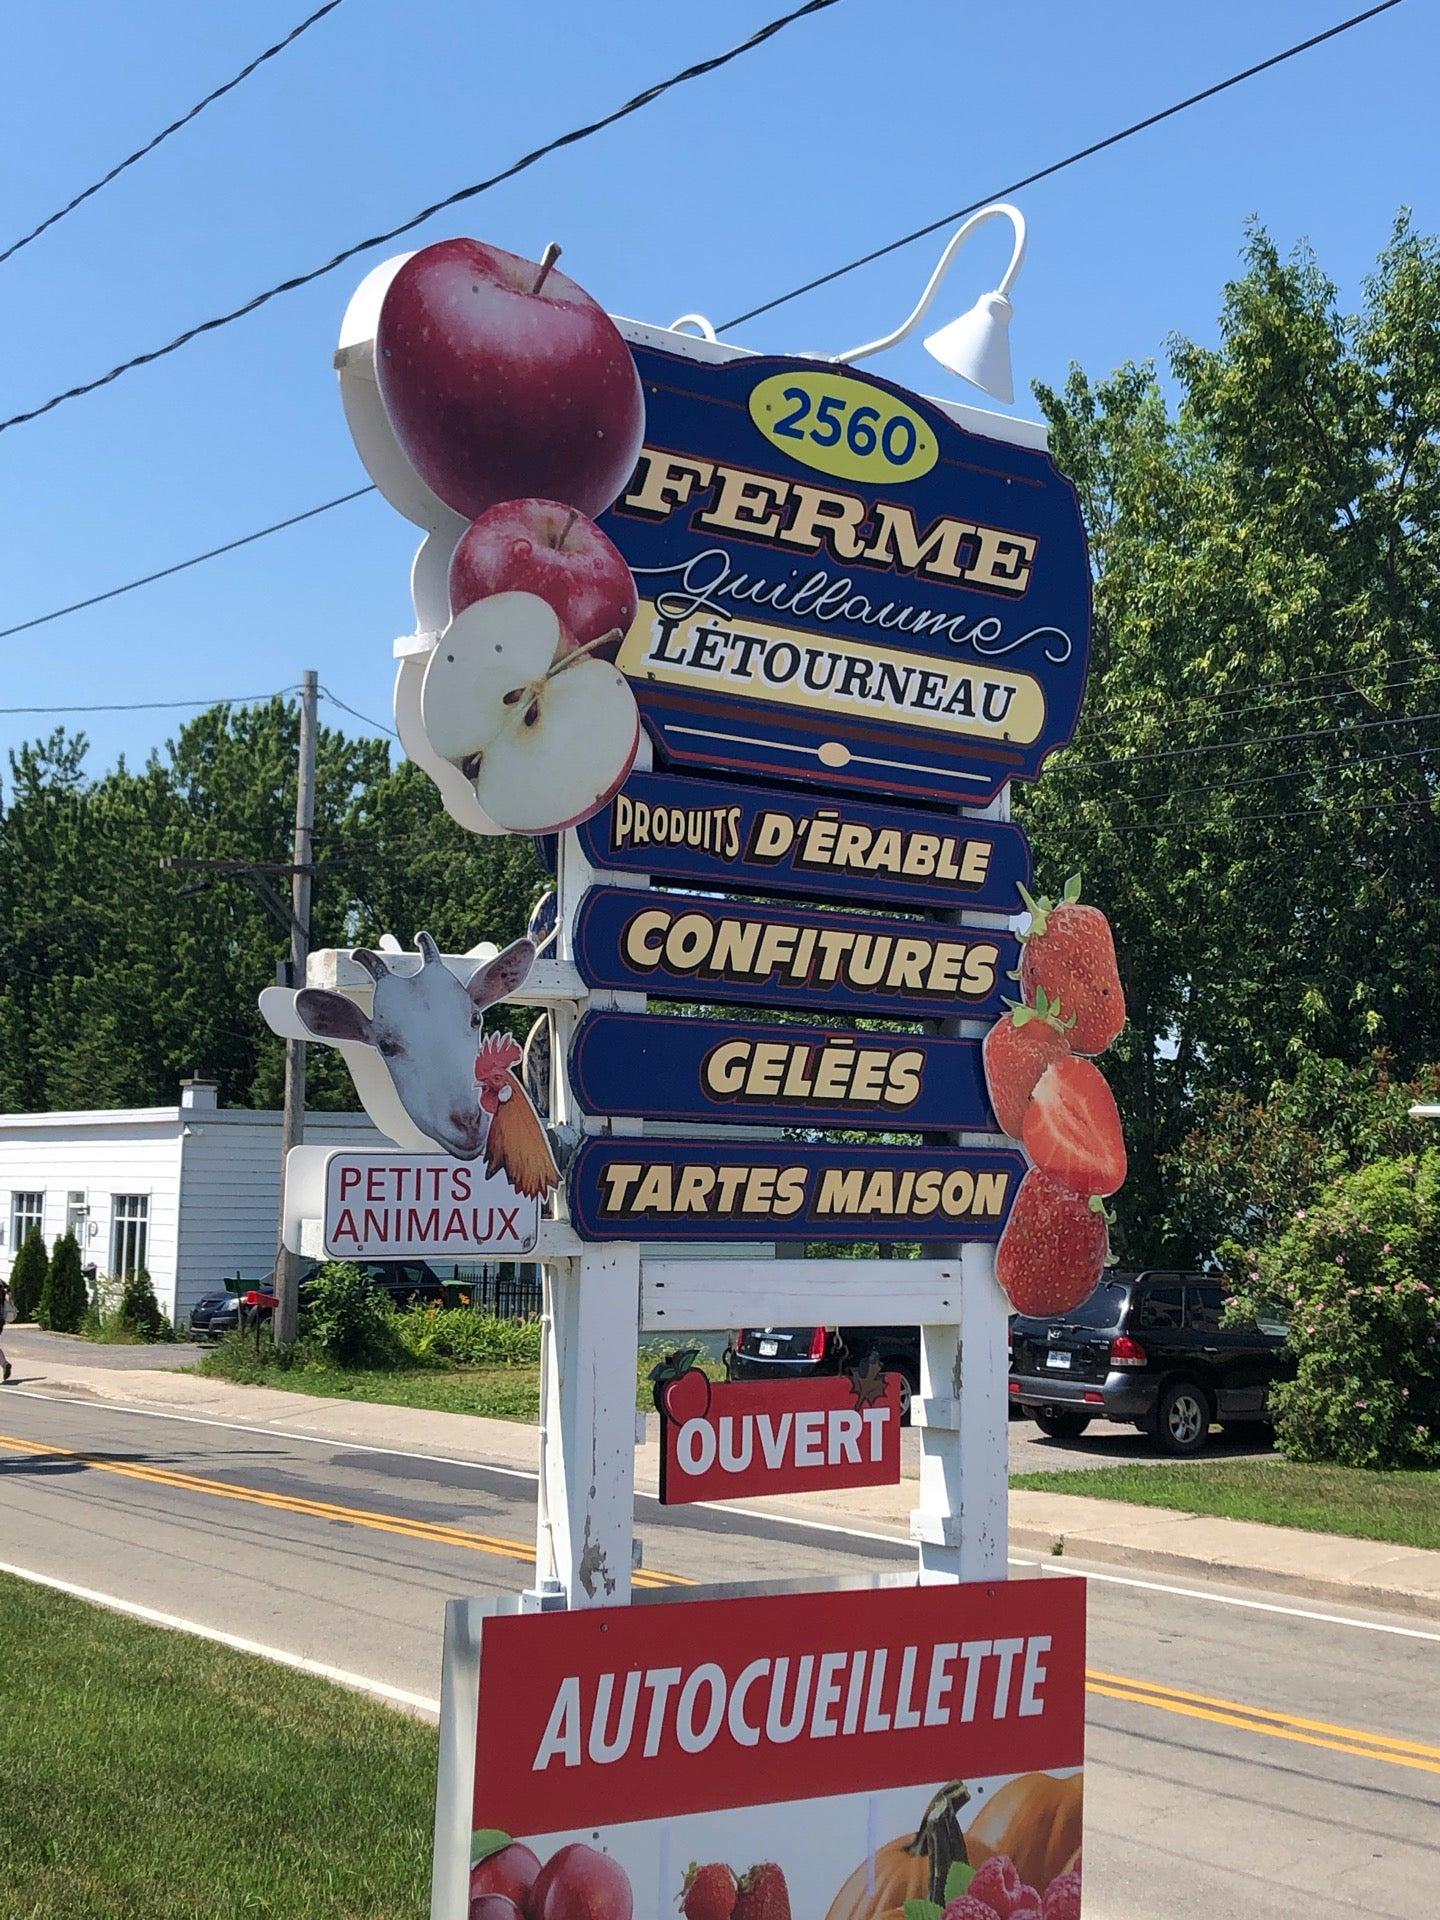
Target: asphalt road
1251,1757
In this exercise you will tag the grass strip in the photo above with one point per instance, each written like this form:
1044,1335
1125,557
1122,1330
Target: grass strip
152,1777
1400,1508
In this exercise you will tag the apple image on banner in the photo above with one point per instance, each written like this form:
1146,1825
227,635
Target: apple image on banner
543,733
502,380
543,547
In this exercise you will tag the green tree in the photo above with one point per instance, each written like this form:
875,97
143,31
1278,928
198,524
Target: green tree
1354,1276
64,1301
1252,793
28,1274
140,1310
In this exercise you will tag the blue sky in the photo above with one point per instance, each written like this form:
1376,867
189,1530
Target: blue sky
850,128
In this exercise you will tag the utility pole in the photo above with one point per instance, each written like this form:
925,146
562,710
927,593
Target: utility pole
287,1264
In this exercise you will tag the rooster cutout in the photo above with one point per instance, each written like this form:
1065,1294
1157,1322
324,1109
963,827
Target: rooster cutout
516,1142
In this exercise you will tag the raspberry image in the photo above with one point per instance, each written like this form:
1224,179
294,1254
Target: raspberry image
967,1907
1062,1898
998,1883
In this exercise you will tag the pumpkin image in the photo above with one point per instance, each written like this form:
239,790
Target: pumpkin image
910,1868
1034,1818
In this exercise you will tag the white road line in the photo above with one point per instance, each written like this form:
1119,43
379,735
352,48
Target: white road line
1237,1600
774,1519
356,1682
272,1433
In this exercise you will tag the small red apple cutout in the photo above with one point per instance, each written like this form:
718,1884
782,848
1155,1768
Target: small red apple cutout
688,1397
503,379
544,547
578,1883
545,734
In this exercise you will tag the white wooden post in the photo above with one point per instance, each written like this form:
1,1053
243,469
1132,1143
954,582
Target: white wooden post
585,1518
961,1524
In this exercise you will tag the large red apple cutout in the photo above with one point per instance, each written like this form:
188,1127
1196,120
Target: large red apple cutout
544,733
502,379
543,547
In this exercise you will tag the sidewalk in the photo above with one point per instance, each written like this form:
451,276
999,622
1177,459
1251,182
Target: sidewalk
1358,1572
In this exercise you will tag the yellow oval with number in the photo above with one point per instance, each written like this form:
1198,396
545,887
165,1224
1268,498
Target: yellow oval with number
844,426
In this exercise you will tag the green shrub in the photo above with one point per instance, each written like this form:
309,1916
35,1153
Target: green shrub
65,1299
28,1274
351,1321
140,1310
1356,1275
455,1336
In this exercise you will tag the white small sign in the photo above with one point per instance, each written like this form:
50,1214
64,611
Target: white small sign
394,1206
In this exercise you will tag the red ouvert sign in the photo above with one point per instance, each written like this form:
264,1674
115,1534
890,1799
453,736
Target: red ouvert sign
742,1440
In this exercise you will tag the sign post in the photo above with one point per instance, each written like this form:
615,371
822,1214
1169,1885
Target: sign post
756,648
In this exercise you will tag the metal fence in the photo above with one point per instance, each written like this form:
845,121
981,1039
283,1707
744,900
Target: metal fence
506,1288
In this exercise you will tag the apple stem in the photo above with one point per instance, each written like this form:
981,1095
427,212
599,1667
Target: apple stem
579,653
547,261
565,530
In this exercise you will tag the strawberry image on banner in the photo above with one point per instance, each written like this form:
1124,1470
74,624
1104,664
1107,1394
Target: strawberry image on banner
1049,1094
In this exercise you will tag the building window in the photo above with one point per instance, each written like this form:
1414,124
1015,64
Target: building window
77,1214
27,1210
129,1232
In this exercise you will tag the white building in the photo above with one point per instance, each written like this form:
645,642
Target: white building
190,1192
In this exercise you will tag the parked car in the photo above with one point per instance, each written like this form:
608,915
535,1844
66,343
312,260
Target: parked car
796,1353
409,1283
1149,1349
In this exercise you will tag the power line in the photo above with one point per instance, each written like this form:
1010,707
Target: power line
1070,160
165,132
633,105
1289,813
1293,773
355,714
180,566
160,706
1256,740
327,506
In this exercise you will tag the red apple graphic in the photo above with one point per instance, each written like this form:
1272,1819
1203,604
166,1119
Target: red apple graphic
577,1883
688,1397
509,1873
545,548
502,379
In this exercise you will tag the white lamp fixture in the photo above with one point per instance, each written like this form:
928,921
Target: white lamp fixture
977,345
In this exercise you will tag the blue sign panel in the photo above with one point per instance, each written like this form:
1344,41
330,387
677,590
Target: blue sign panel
763,840
679,946
776,1190
657,1067
838,580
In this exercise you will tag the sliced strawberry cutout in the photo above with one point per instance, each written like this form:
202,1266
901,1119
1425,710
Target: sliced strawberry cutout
1072,1128
1017,1050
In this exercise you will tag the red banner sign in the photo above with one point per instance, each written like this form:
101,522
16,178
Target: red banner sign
736,1441
620,1714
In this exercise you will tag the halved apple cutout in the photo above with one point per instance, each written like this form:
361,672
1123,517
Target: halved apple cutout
544,734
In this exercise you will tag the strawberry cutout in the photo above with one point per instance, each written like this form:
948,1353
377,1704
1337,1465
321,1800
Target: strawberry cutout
1069,950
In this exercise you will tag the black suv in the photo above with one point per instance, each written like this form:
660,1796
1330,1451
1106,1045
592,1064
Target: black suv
409,1283
1148,1348
794,1353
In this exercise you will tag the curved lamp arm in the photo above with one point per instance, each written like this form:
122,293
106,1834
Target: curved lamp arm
942,267
698,321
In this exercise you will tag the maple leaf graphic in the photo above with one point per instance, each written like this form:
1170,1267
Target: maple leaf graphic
868,1382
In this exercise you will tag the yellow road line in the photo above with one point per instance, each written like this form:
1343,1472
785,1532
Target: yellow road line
1360,1746
1354,1741
1169,1693
432,1531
